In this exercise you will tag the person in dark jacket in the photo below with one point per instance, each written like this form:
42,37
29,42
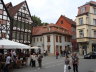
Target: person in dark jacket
75,62
40,60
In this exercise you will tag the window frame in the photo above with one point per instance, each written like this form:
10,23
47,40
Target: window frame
80,21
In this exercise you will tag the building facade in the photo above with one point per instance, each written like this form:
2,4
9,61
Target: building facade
86,27
69,25
4,21
21,28
51,38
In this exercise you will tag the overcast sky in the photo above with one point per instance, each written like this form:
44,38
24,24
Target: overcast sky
50,10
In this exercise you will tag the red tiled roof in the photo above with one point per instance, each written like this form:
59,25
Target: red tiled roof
13,10
39,30
92,2
87,7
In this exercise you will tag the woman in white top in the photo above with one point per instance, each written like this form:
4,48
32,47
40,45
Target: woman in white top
33,57
67,64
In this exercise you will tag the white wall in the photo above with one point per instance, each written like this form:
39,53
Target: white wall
52,42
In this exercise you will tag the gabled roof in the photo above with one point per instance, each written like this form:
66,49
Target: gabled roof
8,4
40,30
15,9
70,21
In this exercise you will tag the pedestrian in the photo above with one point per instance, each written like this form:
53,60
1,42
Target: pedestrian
40,60
31,60
7,64
57,54
75,62
44,53
67,64
34,60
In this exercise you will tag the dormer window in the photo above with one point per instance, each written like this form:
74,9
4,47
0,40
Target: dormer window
61,21
83,9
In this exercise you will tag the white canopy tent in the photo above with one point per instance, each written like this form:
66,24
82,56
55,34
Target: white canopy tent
8,44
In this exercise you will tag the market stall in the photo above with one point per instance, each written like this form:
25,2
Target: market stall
8,47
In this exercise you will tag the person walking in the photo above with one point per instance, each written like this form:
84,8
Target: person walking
31,60
8,61
75,62
34,59
67,64
57,54
40,60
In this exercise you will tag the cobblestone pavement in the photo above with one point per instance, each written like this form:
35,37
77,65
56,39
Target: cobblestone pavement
48,62
51,64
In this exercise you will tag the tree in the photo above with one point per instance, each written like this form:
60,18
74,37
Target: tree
44,23
37,21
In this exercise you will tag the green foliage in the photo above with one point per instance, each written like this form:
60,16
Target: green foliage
37,21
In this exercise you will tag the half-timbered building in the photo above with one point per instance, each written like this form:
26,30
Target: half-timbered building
21,22
4,21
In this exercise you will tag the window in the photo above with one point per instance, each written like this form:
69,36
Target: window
73,29
24,8
68,39
87,20
19,14
1,11
60,47
80,21
1,6
14,35
48,48
95,34
18,35
21,35
3,35
94,21
57,49
41,39
83,9
34,39
29,37
56,38
60,39
48,38
61,21
95,11
37,40
81,33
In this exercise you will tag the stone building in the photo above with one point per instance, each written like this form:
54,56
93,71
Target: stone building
86,27
51,38
21,22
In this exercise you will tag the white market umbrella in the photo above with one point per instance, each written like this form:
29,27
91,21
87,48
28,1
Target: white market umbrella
8,44
35,47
